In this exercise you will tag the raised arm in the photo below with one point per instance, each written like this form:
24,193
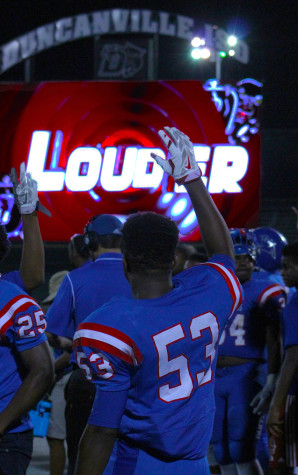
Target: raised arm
26,198
182,166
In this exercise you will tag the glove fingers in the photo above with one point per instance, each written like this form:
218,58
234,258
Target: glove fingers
165,138
172,133
163,163
14,177
22,173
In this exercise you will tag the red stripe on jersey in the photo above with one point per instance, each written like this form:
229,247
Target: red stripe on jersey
230,279
20,308
11,302
102,346
115,333
272,291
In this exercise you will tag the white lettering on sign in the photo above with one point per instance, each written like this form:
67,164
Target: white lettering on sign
229,165
88,167
112,21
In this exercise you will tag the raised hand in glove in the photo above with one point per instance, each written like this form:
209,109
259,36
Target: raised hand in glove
261,401
25,192
181,165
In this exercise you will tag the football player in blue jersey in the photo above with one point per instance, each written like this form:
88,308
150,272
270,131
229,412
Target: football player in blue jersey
26,373
81,292
239,395
282,421
152,357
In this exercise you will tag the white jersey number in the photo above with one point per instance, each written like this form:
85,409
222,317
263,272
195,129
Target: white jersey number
236,330
103,366
31,325
180,364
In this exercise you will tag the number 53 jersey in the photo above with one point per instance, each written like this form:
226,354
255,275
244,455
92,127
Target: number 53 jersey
245,333
153,361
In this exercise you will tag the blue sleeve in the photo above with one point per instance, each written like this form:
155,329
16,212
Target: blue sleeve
60,314
108,408
223,259
28,326
107,372
15,278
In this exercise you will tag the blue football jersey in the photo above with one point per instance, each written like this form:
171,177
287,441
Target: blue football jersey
85,289
160,353
245,333
22,326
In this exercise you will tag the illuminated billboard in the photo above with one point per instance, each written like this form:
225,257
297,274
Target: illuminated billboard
88,145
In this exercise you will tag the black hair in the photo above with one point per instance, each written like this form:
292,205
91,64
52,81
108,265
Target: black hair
149,242
4,243
291,251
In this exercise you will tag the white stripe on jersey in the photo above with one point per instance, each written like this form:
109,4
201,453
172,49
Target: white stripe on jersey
271,291
233,282
4,319
109,339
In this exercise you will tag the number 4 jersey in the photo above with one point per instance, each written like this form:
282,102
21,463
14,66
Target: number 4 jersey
153,361
245,333
22,326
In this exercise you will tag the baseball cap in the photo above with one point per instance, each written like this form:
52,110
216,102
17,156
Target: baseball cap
54,284
105,224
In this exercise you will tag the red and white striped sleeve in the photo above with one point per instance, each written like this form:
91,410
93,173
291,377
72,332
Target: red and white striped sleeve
232,284
109,340
270,292
16,305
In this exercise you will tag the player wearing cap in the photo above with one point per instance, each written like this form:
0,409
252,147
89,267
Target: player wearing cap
152,357
82,291
239,395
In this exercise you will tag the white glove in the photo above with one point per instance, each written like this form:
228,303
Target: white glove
181,165
261,401
25,192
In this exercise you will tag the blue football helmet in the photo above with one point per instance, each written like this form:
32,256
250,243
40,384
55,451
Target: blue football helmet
270,243
244,243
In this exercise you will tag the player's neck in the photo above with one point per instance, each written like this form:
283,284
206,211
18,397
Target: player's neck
148,287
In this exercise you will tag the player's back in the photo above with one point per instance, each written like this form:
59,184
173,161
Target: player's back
164,351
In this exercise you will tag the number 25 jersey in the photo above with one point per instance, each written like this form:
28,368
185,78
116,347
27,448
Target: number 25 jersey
22,326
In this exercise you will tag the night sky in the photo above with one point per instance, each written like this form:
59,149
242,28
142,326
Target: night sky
269,28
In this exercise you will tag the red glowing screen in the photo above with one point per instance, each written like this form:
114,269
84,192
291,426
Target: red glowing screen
87,143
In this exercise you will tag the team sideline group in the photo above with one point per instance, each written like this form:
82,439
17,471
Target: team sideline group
159,357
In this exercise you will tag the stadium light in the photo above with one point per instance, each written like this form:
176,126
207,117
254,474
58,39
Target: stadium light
232,40
196,42
205,53
196,53
215,44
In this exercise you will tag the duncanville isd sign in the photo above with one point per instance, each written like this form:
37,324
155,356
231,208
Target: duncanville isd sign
114,21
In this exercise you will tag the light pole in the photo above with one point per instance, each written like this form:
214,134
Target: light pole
217,45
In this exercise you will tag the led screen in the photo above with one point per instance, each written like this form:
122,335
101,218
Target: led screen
88,146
